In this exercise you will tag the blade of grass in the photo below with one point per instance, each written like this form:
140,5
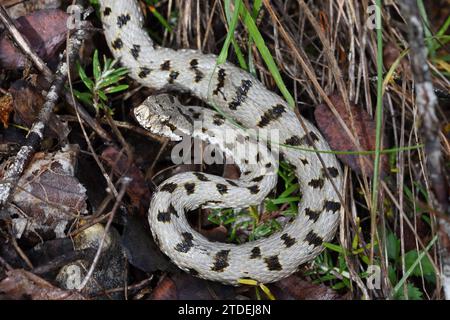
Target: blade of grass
158,16
265,54
365,152
414,265
427,30
379,119
237,49
251,65
230,35
392,69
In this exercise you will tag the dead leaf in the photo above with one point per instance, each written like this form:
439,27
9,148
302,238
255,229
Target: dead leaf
295,288
27,103
231,171
338,139
46,32
48,194
21,284
140,249
218,234
6,103
390,53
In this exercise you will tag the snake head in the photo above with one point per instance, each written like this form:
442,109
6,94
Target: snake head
162,115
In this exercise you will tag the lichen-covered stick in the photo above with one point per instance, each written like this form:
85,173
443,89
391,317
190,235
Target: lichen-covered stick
245,99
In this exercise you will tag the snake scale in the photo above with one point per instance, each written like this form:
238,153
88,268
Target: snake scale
243,98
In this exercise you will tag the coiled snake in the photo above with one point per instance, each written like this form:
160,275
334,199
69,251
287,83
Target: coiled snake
243,98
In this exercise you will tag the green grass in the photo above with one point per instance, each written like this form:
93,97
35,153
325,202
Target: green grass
426,269
248,221
378,120
232,20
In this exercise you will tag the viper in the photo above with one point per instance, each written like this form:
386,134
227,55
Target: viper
244,103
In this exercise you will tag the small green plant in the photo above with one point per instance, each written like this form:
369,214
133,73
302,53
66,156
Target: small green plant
417,265
255,226
335,270
105,81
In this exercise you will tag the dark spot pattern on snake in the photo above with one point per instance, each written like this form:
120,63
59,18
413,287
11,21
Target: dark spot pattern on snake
316,183
312,214
144,72
221,74
166,65
241,94
221,261
187,243
273,263
255,253
332,206
313,239
117,44
200,176
288,241
107,11
254,189
166,216
169,187
190,188
222,188
123,19
135,51
272,114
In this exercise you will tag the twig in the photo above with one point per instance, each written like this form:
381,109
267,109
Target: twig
135,286
120,124
20,252
36,133
426,102
63,259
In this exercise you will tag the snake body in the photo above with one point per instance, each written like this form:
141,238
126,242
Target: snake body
242,97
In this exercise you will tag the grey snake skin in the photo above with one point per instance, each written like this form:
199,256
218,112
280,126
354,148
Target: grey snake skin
245,99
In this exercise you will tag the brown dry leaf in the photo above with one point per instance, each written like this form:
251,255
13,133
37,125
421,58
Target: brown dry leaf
137,190
6,107
46,32
139,247
340,141
218,234
295,288
390,53
182,286
21,284
231,171
48,195
166,290
27,102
